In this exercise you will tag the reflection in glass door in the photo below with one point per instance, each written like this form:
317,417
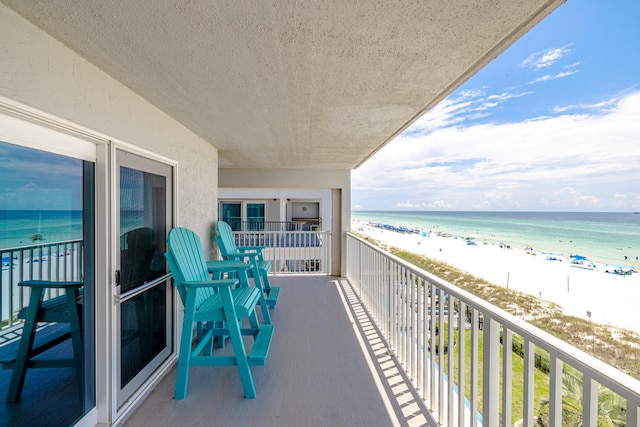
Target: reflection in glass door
46,235
144,211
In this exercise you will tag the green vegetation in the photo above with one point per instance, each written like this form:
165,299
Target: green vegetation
541,380
617,347
611,407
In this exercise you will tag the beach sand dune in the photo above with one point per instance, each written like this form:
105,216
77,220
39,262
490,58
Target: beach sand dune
589,294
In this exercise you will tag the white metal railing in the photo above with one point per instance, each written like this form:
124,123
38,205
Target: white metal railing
411,306
61,261
291,251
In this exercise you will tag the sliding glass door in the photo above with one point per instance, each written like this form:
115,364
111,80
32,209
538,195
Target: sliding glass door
145,306
47,231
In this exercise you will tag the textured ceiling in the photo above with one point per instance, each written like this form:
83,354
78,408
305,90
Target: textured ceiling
289,84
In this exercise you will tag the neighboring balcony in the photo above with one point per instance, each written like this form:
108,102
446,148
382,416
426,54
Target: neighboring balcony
292,247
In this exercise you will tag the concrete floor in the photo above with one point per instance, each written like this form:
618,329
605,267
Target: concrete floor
327,366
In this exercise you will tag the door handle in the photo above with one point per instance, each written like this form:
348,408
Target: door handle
116,295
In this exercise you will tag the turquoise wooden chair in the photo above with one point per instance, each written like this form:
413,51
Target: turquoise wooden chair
62,309
215,308
253,254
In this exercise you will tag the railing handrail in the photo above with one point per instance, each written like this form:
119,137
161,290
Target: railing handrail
593,369
39,245
28,262
295,251
604,373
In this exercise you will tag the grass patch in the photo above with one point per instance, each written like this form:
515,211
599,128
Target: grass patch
617,347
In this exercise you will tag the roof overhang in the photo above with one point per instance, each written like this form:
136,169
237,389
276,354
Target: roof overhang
294,84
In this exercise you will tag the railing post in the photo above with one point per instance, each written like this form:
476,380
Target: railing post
491,373
529,382
555,391
507,369
589,402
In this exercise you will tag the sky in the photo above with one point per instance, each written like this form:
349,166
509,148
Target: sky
552,124
32,179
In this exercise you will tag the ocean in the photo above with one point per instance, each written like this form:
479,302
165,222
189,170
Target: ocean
602,237
19,228
605,238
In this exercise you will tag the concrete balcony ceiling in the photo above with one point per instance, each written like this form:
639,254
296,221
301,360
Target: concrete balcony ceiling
289,84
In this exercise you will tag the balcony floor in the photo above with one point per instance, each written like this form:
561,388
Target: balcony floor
327,367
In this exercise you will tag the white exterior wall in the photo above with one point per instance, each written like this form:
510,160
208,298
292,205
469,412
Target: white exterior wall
41,73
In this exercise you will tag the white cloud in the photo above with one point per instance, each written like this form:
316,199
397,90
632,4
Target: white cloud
545,58
604,106
575,198
469,105
548,77
572,162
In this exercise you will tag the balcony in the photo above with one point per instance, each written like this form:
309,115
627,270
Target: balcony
357,351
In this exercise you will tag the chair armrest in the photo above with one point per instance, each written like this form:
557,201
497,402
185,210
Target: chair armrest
254,252
226,266
50,284
208,283
251,248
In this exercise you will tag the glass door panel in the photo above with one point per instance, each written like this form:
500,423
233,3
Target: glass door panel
232,215
46,233
255,216
144,211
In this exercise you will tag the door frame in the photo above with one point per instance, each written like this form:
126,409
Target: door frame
121,411
31,128
105,411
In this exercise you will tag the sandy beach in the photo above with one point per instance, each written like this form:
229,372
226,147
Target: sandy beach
609,298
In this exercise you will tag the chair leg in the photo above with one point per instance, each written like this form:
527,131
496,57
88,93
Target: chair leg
25,347
184,355
244,279
267,286
76,338
265,282
238,345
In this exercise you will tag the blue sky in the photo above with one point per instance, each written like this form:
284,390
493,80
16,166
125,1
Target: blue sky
552,124
34,179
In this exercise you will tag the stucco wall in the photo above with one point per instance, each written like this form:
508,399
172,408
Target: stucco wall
39,72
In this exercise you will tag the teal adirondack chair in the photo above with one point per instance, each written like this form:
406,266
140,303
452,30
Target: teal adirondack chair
259,266
215,308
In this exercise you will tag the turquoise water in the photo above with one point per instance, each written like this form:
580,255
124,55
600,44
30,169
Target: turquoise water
603,237
20,228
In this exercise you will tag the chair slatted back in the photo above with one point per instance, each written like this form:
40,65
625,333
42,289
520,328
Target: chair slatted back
226,242
186,262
